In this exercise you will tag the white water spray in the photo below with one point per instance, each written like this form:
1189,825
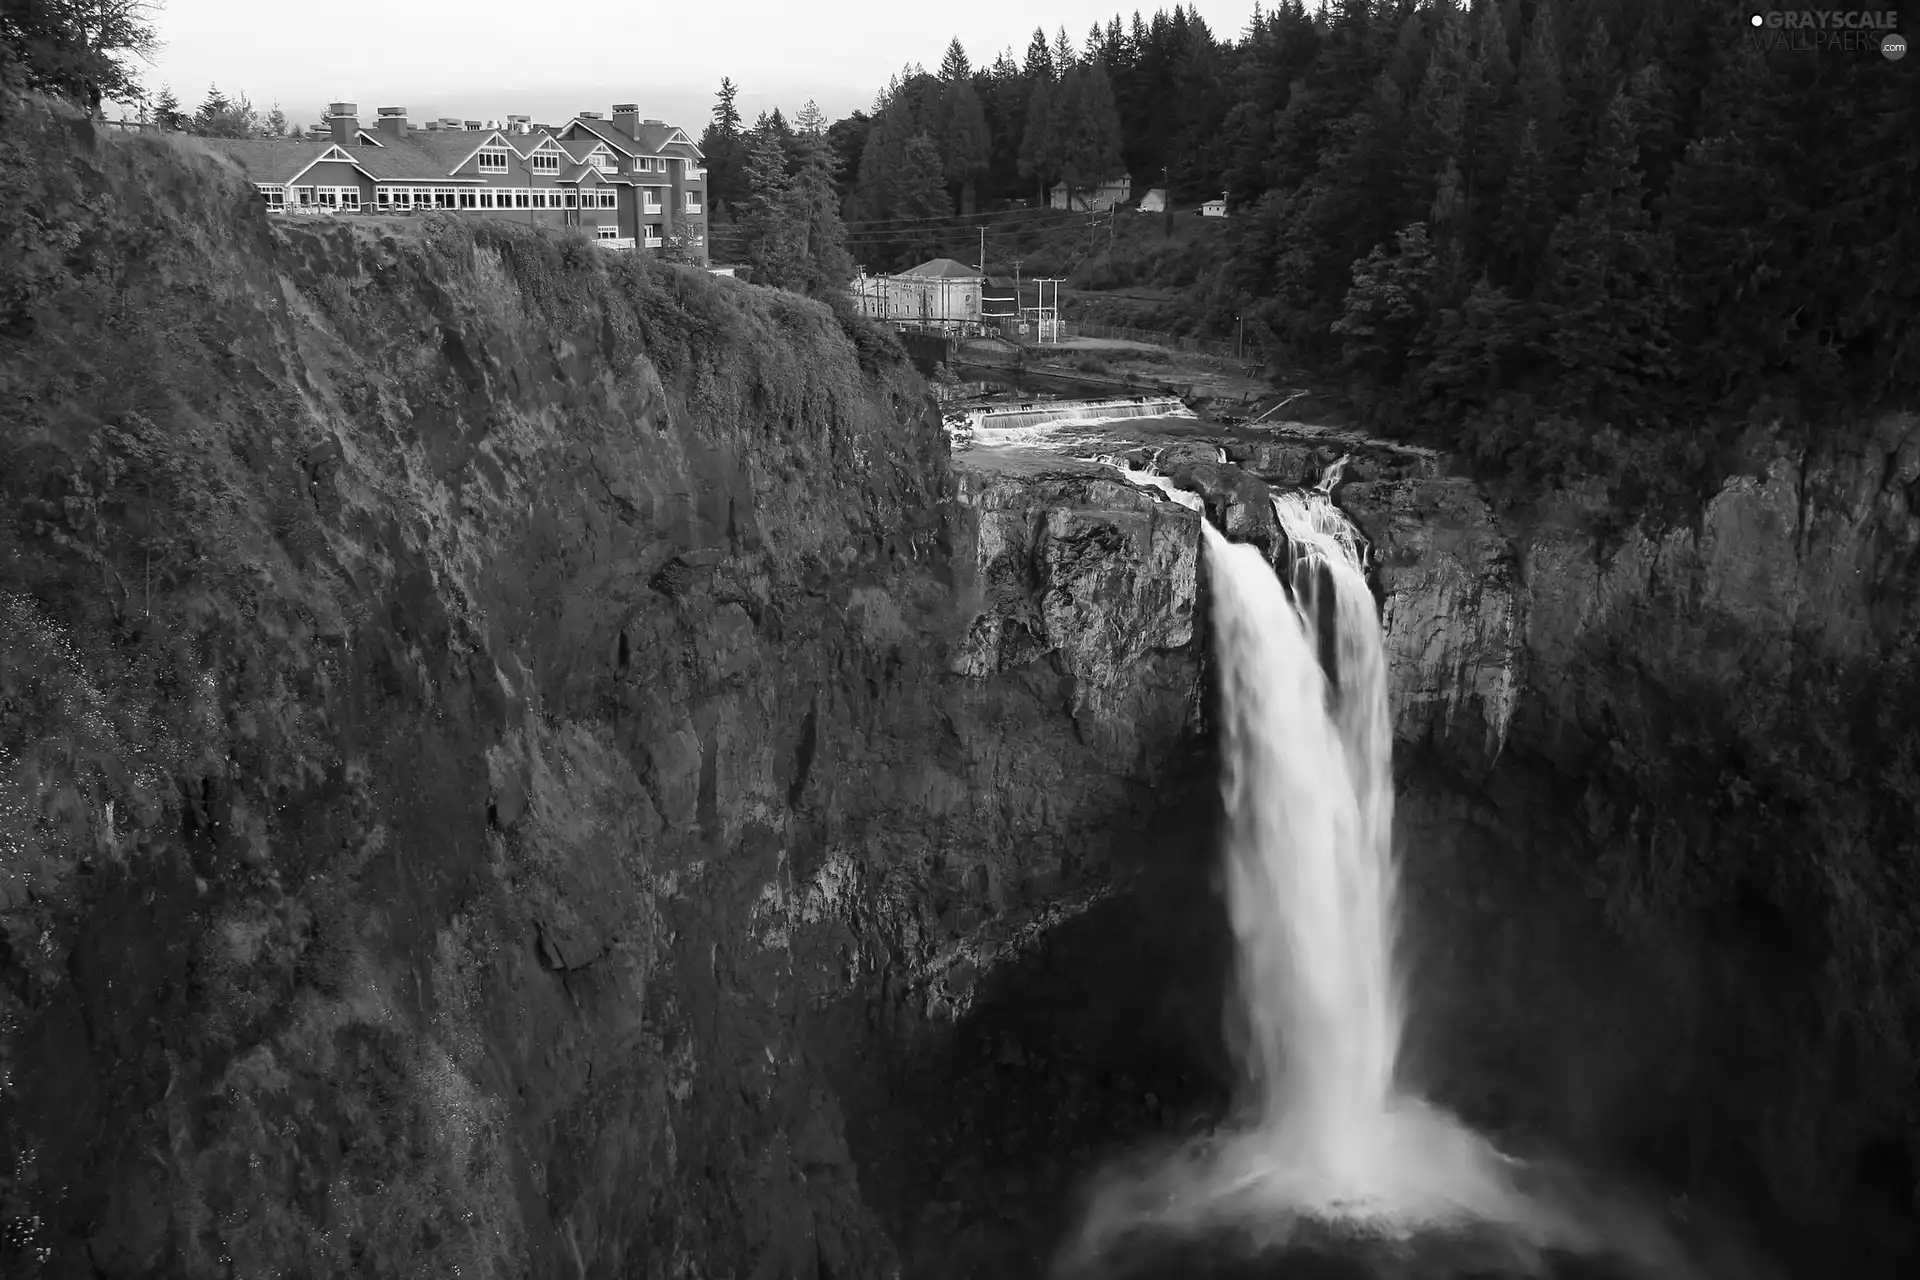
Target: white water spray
1321,1128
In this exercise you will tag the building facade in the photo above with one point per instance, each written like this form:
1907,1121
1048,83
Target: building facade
1097,198
631,183
941,293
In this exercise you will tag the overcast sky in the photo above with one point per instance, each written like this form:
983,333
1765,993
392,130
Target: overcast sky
483,58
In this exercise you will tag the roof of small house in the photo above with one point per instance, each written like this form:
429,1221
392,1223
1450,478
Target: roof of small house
943,269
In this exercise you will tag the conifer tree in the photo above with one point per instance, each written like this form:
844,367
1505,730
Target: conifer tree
772,220
1610,296
1037,151
823,235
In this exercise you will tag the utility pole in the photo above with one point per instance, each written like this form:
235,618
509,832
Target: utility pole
1110,216
1166,203
983,250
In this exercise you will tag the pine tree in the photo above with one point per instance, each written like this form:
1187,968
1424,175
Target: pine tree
1610,297
1064,59
1090,143
954,67
1037,146
1039,64
817,204
772,220
923,192
1387,307
723,148
166,111
1525,218
276,123
967,142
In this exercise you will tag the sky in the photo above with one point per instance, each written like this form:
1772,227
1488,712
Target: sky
486,59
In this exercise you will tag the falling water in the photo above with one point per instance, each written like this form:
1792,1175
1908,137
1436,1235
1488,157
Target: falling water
1321,1129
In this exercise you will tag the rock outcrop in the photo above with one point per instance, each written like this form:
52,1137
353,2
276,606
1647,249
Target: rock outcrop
1660,781
504,745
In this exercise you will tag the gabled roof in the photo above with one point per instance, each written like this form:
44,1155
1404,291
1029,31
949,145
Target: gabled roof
611,134
655,139
943,269
269,160
420,157
332,152
487,139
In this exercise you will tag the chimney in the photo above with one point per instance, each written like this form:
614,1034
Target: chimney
473,126
451,122
344,119
661,123
519,124
626,117
393,121
591,115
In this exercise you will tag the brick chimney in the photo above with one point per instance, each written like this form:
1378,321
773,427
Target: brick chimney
626,118
344,119
519,124
393,121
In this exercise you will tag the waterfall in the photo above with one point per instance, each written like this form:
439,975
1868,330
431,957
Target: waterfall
1322,1129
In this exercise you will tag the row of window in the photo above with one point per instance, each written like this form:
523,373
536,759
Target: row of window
454,198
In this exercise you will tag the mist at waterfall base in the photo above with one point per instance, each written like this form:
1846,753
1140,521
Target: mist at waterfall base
1322,1145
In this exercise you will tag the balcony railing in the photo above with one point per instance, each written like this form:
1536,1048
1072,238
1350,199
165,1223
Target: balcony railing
693,206
653,242
650,207
614,242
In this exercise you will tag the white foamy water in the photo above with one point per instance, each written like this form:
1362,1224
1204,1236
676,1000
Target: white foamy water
1148,478
1321,1129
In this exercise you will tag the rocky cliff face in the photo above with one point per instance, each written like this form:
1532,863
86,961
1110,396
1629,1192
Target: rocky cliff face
501,741
1661,781
519,761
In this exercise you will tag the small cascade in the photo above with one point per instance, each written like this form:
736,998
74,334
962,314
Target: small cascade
1081,412
1149,477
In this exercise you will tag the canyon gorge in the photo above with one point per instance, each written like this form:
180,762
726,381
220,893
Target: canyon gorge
517,761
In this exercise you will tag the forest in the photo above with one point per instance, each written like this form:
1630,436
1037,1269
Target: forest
1572,237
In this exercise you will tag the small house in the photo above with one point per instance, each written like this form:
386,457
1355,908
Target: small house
1155,201
1215,208
1098,198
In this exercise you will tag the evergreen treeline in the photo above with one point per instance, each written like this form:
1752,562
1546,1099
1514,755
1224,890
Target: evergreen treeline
1561,232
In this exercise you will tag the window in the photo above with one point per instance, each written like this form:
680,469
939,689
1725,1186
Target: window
486,199
493,162
650,201
523,199
469,200
573,199
606,163
693,202
274,194
546,162
606,199
653,235
605,232
303,195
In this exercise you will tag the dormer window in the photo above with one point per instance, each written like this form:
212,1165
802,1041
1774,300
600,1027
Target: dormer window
605,162
546,162
493,162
